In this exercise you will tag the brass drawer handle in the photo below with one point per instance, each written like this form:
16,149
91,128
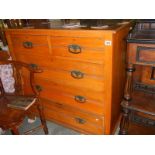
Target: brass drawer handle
77,74
80,120
80,99
75,49
28,44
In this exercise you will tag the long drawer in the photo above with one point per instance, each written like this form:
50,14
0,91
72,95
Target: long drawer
72,117
77,100
48,87
73,78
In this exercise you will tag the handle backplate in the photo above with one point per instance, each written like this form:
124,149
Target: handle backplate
77,74
75,49
80,120
80,99
28,44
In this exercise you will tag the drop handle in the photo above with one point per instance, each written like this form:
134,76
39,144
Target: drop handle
28,44
80,99
152,74
80,120
77,74
75,49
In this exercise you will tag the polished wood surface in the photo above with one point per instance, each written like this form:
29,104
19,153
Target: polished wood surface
84,73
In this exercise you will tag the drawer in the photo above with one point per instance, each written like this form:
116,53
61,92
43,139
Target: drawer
73,78
74,100
68,65
72,117
49,87
141,54
77,100
91,49
35,45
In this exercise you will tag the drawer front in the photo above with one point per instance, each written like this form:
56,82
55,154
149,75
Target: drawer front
146,54
93,124
49,87
80,48
30,44
141,54
68,65
73,78
77,100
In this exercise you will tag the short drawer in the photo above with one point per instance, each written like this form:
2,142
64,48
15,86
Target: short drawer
141,54
30,44
92,124
146,54
91,49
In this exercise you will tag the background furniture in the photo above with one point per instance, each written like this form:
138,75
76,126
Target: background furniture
14,106
83,78
139,95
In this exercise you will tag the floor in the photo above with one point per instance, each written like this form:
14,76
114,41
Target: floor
54,129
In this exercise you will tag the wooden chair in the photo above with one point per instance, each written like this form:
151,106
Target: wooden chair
15,106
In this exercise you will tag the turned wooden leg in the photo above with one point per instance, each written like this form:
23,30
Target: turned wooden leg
124,125
42,118
127,98
128,86
15,131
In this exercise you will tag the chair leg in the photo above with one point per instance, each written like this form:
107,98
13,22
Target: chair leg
124,125
15,131
42,118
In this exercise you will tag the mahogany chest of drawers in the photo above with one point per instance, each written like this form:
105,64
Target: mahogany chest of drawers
83,79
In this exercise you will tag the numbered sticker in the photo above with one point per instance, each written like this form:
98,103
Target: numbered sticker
107,42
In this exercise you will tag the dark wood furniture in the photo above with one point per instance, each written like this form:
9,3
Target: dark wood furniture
14,106
84,71
139,95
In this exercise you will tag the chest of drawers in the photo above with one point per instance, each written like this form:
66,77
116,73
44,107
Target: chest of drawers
83,76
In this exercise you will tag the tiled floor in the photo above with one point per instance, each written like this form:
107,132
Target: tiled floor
53,128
